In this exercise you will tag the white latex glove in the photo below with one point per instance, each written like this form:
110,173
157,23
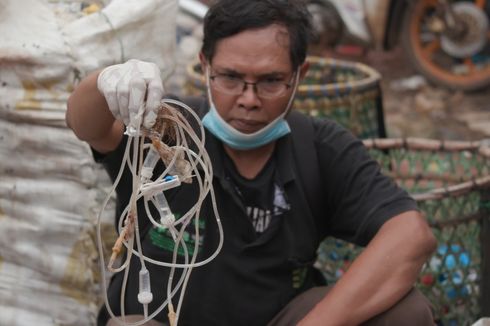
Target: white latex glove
127,86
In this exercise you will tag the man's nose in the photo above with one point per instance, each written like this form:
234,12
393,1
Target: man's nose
249,97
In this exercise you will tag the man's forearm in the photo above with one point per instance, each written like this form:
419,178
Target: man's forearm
86,103
89,116
380,276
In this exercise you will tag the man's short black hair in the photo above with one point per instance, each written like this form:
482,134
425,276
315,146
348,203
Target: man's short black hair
229,17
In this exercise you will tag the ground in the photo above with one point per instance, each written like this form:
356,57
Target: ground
414,108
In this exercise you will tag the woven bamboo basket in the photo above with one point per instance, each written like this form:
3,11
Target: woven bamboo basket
451,183
348,92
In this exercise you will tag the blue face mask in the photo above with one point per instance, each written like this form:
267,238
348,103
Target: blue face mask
239,140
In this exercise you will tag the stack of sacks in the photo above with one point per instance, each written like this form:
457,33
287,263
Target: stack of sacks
51,190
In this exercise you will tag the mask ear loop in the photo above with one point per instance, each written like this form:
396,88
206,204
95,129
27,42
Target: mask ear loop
208,87
293,94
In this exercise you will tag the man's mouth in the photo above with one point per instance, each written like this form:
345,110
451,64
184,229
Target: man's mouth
247,126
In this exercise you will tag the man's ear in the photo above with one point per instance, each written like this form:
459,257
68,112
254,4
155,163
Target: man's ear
303,69
204,62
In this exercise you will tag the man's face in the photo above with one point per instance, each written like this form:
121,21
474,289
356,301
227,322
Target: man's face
253,55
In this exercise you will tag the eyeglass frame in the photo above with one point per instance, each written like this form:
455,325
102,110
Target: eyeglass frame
253,84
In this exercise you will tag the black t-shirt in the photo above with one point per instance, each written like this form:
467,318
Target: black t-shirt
253,276
262,197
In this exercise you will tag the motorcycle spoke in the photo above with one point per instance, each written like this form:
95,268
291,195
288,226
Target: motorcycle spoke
468,62
431,48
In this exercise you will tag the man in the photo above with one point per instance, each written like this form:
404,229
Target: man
253,56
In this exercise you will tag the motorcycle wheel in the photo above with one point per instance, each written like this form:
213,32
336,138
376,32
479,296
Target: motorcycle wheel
458,63
327,24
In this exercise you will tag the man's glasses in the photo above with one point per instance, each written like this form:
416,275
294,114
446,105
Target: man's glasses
267,88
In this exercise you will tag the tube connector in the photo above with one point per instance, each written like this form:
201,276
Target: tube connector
144,296
166,216
149,163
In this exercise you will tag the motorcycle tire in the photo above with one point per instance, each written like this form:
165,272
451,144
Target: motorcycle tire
326,22
442,59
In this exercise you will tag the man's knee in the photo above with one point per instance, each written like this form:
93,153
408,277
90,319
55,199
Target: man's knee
134,319
412,309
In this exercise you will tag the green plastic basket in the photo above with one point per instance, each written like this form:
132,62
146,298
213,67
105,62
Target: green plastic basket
451,183
348,92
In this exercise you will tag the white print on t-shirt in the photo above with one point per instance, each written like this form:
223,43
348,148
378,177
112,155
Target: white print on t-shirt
260,218
280,203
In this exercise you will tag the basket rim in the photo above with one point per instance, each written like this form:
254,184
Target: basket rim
428,144
373,77
424,144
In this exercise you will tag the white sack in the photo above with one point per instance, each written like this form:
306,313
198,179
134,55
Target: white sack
50,188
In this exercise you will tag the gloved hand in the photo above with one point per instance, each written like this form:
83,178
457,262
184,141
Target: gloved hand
127,86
